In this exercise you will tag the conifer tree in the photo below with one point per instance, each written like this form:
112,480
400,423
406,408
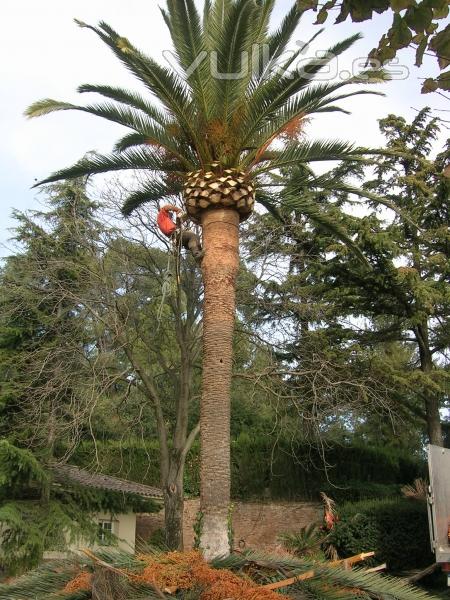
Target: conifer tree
406,292
44,373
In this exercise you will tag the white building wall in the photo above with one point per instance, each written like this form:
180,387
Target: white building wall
123,527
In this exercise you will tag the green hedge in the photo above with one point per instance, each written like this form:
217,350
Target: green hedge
294,471
287,472
397,530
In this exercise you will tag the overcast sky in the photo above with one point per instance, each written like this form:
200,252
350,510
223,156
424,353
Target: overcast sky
44,54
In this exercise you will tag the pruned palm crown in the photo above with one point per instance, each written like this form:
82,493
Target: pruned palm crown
220,141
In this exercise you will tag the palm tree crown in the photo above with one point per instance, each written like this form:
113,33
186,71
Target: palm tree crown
234,94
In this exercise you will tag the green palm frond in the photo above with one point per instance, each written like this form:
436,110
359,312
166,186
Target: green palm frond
130,140
273,66
75,596
303,152
376,198
185,26
233,74
279,40
150,191
300,193
374,584
213,22
40,583
262,63
315,99
127,117
150,132
307,539
270,96
330,582
139,122
47,106
260,31
263,559
121,559
206,12
319,590
324,105
164,84
267,201
48,581
129,98
142,158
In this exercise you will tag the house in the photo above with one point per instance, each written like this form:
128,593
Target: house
122,526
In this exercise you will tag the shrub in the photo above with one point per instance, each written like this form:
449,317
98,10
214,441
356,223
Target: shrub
306,542
397,530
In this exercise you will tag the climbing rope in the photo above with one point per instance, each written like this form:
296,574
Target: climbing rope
177,250
169,288
172,278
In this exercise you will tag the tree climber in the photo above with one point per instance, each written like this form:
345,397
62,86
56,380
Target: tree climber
189,239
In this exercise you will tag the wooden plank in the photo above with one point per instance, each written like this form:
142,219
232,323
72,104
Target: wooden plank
346,563
382,567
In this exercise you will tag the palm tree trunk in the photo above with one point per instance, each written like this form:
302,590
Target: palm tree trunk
220,267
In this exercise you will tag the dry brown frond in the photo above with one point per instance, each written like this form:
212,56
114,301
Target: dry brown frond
417,491
329,503
294,129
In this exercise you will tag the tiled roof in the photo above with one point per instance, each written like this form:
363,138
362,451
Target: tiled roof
71,474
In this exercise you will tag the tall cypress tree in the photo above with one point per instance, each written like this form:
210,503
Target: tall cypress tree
406,291
43,364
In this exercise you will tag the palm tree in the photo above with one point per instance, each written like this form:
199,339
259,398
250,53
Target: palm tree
216,138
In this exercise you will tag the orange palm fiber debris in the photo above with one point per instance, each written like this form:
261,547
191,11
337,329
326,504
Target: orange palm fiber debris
222,584
171,570
82,582
188,570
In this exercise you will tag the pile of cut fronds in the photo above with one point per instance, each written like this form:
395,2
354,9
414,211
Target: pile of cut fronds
117,575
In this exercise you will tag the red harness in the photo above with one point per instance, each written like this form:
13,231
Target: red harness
165,223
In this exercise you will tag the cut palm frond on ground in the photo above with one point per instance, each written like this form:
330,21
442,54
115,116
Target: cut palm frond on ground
116,575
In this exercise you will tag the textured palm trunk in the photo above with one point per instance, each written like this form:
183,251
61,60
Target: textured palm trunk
220,267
